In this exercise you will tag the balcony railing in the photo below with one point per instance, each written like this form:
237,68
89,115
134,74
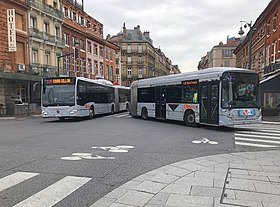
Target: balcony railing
35,33
273,67
43,70
45,8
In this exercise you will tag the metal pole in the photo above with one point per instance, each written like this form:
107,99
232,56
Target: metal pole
57,66
250,48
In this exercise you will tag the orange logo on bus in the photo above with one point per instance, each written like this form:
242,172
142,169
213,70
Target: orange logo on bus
187,106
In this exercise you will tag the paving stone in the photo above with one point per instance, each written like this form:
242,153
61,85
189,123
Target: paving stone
177,171
218,204
263,173
267,204
164,178
240,184
115,194
268,188
234,172
259,162
207,169
246,166
179,188
250,177
119,205
274,179
204,162
130,185
252,196
143,177
104,202
135,198
218,183
189,201
195,181
206,191
153,172
242,203
211,175
277,163
159,199
189,166
150,187
271,169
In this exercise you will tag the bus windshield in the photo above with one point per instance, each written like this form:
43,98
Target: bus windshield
240,90
58,95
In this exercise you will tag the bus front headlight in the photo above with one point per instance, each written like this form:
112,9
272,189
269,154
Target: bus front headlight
44,113
73,111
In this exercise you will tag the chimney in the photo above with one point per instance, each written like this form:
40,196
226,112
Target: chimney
147,34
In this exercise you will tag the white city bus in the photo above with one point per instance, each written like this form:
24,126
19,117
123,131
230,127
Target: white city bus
72,97
215,96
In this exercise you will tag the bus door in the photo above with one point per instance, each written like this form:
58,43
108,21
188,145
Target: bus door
160,103
209,102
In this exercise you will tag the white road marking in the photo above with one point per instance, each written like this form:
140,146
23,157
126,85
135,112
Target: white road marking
122,115
54,193
257,136
260,133
204,141
15,179
254,145
257,140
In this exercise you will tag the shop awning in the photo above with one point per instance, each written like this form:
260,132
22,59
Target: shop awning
19,76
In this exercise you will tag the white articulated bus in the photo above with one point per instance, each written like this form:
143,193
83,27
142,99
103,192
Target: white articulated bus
72,97
215,96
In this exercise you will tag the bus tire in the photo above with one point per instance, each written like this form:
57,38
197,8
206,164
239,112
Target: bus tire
91,112
189,118
144,113
112,109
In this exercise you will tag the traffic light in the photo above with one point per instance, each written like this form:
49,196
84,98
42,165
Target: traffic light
76,52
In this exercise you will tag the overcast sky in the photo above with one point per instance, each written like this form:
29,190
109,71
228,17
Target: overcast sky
184,29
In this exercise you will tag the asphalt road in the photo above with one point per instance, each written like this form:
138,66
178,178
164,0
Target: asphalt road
52,151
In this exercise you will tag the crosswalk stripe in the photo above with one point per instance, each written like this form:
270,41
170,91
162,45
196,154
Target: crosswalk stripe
257,140
257,136
254,145
268,130
260,133
15,179
55,192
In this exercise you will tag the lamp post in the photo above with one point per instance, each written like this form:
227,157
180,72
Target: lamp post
250,36
76,42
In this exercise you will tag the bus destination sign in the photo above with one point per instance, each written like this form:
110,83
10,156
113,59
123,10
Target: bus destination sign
59,81
190,82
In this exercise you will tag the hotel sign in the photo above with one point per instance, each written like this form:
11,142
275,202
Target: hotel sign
11,18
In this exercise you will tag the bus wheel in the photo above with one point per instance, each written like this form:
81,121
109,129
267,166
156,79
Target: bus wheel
189,118
144,113
112,110
91,112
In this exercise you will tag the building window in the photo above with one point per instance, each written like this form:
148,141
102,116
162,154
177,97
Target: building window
101,51
89,65
111,74
67,63
268,29
129,61
74,40
95,49
88,24
66,12
227,53
47,58
57,32
83,45
139,48
129,48
275,22
111,55
89,48
96,67
267,55
82,21
107,72
274,52
94,28
46,27
101,69
82,63
227,64
34,56
107,54
74,15
140,73
33,22
129,72
140,61
66,39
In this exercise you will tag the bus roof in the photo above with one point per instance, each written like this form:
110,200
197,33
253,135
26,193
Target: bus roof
211,73
99,81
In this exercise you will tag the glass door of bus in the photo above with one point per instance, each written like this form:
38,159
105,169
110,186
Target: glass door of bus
161,103
209,102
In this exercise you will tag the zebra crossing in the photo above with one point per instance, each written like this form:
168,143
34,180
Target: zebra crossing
120,115
47,197
264,136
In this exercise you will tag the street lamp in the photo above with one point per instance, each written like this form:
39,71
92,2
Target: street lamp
250,36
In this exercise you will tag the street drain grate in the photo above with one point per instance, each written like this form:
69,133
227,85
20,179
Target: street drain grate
239,184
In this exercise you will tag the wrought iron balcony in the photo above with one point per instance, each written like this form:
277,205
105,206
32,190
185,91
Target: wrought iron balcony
43,70
273,67
35,33
45,8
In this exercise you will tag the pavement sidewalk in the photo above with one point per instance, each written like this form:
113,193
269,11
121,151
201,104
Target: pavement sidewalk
226,180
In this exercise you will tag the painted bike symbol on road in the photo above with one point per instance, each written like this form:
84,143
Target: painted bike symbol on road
92,156
204,141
